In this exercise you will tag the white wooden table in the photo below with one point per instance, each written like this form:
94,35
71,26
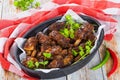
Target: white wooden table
7,9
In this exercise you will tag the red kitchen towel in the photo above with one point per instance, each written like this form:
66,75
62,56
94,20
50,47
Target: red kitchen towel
107,6
19,25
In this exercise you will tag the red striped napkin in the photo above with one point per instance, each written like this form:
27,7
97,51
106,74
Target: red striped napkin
13,28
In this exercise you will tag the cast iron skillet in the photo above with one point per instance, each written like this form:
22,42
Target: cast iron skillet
63,71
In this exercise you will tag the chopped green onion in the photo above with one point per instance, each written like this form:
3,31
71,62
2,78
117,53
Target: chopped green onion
66,32
68,17
89,43
76,26
71,33
81,52
74,52
87,49
88,46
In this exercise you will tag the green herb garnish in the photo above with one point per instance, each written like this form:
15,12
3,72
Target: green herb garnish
44,63
76,26
65,32
81,52
68,17
37,64
47,55
37,4
30,64
72,33
88,43
87,49
74,52
73,27
88,46
25,4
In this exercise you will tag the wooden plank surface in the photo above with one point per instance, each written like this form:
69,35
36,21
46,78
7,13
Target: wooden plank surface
1,70
1,1
86,74
9,9
114,44
61,78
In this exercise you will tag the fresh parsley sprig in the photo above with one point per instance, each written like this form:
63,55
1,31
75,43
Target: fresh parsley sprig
47,55
73,26
30,64
25,4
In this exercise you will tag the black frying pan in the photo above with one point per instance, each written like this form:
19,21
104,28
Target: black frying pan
62,71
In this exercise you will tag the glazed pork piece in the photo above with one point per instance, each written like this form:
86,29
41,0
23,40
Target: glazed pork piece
30,44
54,50
60,39
56,26
85,33
43,39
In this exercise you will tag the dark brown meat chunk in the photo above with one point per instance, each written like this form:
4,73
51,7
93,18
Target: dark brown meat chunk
29,59
39,54
64,52
56,50
77,58
45,47
28,52
43,39
84,33
91,37
51,49
34,52
70,51
60,39
76,48
79,34
56,26
32,59
56,64
58,57
68,60
82,45
88,27
30,44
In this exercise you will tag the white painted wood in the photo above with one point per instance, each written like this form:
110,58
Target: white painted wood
1,70
86,73
117,34
114,44
61,78
10,10
1,1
